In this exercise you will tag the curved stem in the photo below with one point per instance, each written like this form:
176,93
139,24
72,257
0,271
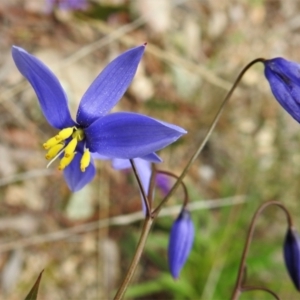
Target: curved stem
144,196
139,250
238,286
186,197
211,128
254,288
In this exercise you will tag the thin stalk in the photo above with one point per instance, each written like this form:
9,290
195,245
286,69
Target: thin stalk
140,248
149,221
186,197
238,286
144,196
211,128
254,288
152,184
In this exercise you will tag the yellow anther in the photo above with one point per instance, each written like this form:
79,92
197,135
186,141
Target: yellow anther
64,133
50,143
65,161
85,160
78,134
54,150
71,147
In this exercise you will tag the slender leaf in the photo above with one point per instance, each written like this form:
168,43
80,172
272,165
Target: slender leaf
34,291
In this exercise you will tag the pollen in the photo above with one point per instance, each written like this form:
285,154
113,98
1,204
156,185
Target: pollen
65,161
53,151
85,160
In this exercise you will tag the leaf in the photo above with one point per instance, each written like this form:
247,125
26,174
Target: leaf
34,291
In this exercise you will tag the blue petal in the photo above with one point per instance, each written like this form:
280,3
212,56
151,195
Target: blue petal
283,77
152,157
163,183
129,135
50,94
76,179
72,5
120,164
144,170
109,86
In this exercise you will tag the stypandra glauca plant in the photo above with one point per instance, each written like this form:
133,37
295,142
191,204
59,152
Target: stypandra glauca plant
131,140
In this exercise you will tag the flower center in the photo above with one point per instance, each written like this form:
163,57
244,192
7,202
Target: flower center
66,141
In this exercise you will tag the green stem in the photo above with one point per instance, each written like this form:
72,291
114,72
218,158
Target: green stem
140,247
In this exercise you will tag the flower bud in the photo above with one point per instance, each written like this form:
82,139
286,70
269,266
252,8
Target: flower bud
291,251
180,243
163,183
284,80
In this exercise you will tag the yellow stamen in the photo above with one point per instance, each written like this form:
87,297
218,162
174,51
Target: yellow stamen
54,150
71,147
65,161
78,134
64,133
85,160
57,145
50,143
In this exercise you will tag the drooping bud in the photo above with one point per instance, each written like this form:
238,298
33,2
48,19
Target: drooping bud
283,77
180,243
291,251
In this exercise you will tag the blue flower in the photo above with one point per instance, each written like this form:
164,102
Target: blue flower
284,80
95,132
66,4
180,243
291,252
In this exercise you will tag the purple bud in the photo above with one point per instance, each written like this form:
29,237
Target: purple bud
284,80
291,251
180,243
163,183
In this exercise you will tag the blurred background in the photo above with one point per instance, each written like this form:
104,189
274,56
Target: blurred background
196,48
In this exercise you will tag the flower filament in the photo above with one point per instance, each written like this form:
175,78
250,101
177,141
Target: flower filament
66,141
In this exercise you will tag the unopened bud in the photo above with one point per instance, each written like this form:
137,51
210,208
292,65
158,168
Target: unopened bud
291,251
180,243
283,77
